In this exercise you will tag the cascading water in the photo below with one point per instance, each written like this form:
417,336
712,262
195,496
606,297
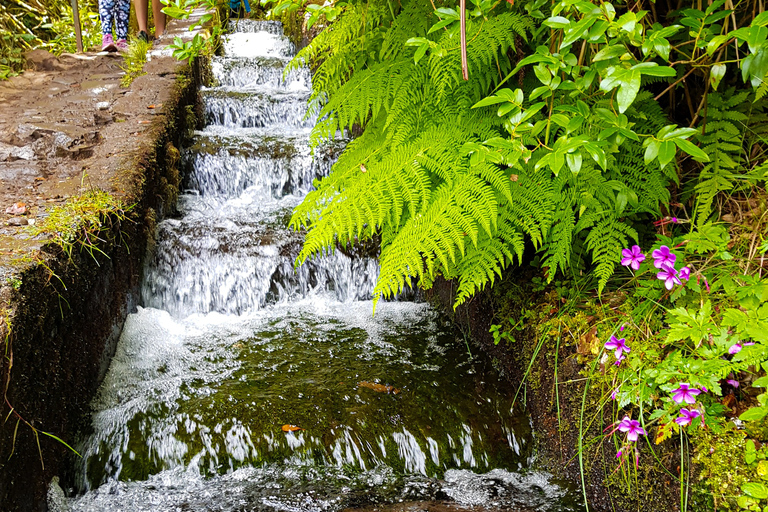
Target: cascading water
243,384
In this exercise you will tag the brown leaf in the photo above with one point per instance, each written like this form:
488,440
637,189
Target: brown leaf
513,177
144,122
362,168
290,428
380,388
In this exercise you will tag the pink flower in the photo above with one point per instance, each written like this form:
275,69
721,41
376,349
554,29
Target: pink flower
632,257
615,392
619,345
668,274
733,383
685,393
735,348
662,256
687,416
619,454
632,428
684,274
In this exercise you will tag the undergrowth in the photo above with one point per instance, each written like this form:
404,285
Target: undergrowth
134,60
83,222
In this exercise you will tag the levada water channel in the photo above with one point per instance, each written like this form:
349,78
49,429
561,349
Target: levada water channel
246,385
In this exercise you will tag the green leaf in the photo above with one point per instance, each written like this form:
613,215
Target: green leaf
715,43
557,22
666,153
755,490
754,414
609,52
628,92
651,152
716,73
696,152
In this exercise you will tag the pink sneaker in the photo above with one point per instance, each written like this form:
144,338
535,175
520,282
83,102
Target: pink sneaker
107,43
122,45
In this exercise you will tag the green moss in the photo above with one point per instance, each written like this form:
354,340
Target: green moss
82,221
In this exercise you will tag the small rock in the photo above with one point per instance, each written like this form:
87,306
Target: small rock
17,221
102,105
101,118
16,209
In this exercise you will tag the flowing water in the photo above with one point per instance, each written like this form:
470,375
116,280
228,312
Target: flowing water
246,385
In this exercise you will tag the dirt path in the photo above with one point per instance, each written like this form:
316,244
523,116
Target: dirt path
66,125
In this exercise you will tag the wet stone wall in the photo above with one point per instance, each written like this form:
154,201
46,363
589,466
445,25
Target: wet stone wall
62,314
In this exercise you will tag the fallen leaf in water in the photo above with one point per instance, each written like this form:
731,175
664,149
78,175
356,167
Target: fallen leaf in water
16,209
290,428
381,388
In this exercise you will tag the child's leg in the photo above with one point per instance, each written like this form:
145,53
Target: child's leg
122,15
106,14
159,16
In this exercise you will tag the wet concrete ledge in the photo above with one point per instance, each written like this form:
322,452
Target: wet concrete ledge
67,129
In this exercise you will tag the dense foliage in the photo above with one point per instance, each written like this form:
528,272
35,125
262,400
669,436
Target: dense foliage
456,175
47,24
584,130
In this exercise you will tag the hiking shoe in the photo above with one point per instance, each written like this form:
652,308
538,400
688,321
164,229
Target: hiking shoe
143,36
107,43
122,45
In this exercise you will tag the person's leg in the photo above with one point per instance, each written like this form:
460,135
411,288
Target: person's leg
106,14
122,16
142,14
159,16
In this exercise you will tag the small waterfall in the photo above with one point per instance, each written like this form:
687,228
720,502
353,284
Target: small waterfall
244,383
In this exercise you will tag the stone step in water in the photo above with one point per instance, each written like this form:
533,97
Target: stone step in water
257,44
218,263
259,73
237,109
278,164
249,26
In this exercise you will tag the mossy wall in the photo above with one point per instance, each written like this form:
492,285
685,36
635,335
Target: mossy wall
552,346
62,316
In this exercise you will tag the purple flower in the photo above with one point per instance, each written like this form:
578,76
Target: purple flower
735,348
687,416
632,257
615,392
662,256
748,343
668,274
684,274
620,359
619,345
704,390
685,393
619,454
632,428
733,383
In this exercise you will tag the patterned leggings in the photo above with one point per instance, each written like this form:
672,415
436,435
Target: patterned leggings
117,12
